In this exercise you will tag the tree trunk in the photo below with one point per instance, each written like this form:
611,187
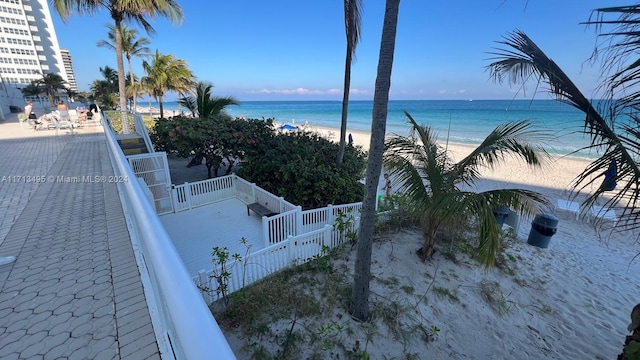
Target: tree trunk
161,107
427,250
360,291
345,106
133,88
121,76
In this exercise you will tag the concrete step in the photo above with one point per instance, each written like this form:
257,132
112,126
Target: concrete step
131,146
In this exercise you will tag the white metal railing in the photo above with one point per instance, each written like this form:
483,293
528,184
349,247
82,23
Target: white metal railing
141,129
294,250
278,227
316,218
205,192
183,323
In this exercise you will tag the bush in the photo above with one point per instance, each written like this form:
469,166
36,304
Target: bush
301,167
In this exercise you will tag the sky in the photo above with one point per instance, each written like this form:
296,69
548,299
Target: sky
295,50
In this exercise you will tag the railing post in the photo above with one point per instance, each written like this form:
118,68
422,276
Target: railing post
265,231
291,249
187,194
234,184
299,220
253,192
330,214
281,204
202,284
174,198
326,239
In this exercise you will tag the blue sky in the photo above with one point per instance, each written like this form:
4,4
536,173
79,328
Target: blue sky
294,50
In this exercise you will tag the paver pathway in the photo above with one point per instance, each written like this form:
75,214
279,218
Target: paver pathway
74,291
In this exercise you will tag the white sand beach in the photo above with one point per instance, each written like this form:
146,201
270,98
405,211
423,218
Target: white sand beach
569,301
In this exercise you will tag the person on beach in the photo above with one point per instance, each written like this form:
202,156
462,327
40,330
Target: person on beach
387,184
28,110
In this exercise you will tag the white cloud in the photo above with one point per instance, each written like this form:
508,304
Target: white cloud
303,91
298,91
358,92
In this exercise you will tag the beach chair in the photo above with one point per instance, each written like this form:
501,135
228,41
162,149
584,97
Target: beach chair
22,118
74,119
570,206
601,212
39,124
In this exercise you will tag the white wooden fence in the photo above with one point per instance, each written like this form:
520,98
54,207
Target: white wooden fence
292,251
291,237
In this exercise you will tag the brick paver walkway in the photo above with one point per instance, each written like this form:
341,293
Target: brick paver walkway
74,291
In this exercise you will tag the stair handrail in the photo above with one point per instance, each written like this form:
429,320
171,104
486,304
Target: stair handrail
141,129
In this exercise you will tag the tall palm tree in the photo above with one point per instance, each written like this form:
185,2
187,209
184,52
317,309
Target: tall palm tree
101,91
167,73
433,183
32,90
132,45
352,11
50,84
138,11
620,142
203,104
111,77
362,269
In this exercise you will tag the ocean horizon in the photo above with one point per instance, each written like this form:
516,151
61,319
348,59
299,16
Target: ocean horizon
458,121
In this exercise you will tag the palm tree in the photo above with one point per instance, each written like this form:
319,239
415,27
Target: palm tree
50,84
138,11
70,93
352,11
131,46
32,90
362,269
523,60
101,91
111,77
204,105
433,183
167,73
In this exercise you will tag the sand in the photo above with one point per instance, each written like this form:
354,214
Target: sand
569,301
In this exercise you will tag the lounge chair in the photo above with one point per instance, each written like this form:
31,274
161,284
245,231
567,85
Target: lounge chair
22,118
570,206
601,212
38,124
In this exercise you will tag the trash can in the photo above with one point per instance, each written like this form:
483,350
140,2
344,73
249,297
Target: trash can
543,227
501,213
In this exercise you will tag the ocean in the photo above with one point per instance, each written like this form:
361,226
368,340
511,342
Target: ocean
461,121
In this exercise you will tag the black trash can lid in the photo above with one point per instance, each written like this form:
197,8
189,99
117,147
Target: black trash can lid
547,220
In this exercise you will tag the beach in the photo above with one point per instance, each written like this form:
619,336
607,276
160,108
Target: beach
571,300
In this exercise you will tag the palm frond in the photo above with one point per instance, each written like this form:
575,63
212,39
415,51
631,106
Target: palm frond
426,175
513,139
522,53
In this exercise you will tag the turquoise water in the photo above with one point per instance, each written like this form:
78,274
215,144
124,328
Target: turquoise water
466,122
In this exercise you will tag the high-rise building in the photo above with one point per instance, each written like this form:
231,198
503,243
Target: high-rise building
28,48
68,68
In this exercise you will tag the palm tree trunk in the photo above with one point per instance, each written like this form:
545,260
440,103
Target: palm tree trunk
345,106
360,291
132,78
161,107
122,89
